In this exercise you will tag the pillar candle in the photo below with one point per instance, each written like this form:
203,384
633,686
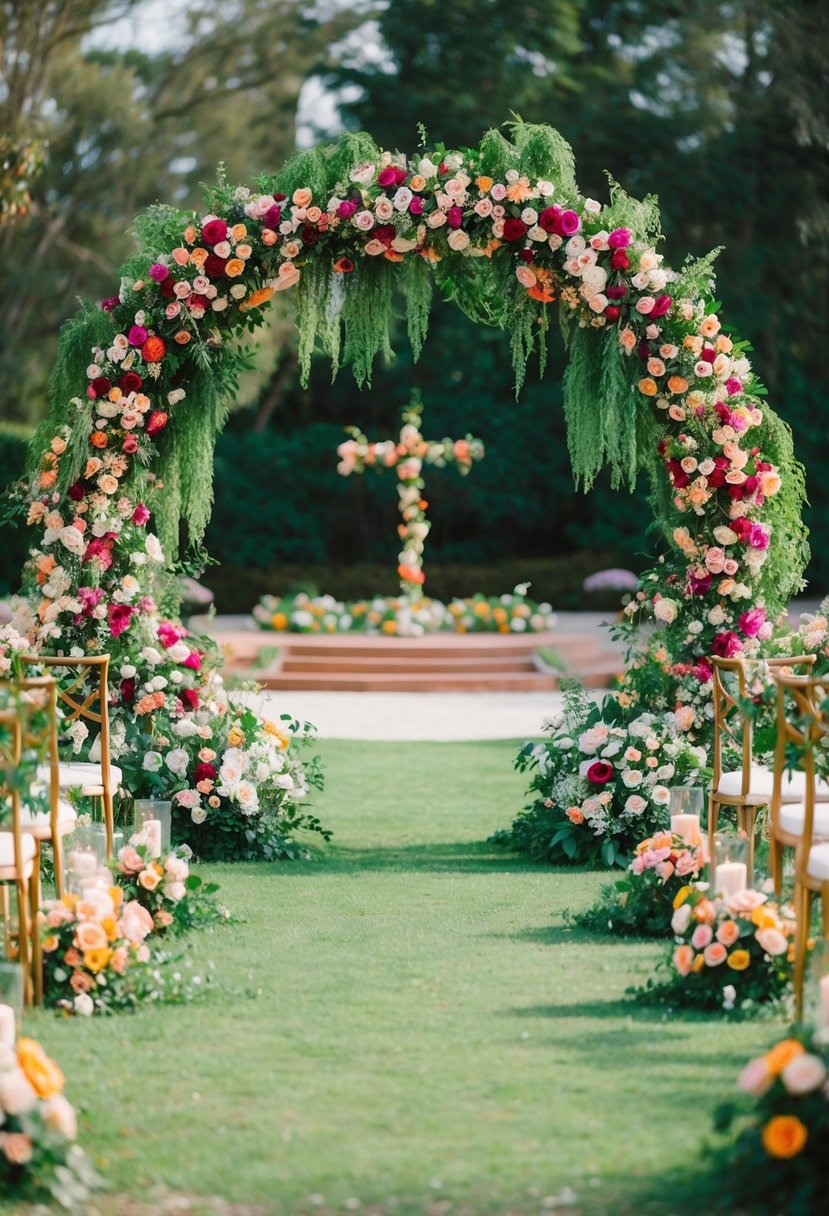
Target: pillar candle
730,877
686,826
83,864
151,829
6,1026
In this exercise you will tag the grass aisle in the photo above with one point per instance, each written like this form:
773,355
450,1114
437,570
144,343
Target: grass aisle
405,1022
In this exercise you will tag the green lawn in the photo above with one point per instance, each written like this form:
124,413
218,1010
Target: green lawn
405,1022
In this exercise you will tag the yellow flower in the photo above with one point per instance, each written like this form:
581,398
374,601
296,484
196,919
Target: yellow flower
110,927
96,960
782,1054
681,895
43,1074
698,964
784,1136
738,960
389,626
235,737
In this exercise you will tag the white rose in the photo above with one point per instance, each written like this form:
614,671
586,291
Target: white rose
681,919
177,761
635,804
178,652
198,814
152,762
153,546
73,540
59,1115
176,891
632,777
665,610
84,1005
458,240
402,198
661,795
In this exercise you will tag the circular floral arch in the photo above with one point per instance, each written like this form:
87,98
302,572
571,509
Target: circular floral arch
122,467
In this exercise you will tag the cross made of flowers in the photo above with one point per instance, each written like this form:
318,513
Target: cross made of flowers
408,455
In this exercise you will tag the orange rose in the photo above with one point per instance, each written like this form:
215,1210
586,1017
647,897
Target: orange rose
648,386
256,299
238,231
235,737
484,183
677,384
782,1054
417,182
302,197
98,439
234,268
739,960
784,1136
189,234
44,1076
268,236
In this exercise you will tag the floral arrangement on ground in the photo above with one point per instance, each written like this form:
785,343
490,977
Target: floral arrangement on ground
399,616
38,1129
778,1133
600,782
731,954
641,903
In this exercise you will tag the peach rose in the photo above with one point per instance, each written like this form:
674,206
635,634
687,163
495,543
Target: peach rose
715,954
683,959
59,1115
17,1147
89,935
728,932
302,197
148,879
136,921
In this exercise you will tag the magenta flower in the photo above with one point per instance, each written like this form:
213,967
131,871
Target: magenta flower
733,386
758,537
619,238
569,222
661,307
110,303
346,209
600,772
137,335
726,644
752,621
272,217
158,273
416,205
454,217
119,617
387,177
140,515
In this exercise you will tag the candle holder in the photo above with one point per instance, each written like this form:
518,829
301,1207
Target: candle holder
816,991
686,807
729,864
153,822
11,1002
81,855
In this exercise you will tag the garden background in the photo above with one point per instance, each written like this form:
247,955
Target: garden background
130,105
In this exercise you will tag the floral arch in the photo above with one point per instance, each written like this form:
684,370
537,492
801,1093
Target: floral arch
121,469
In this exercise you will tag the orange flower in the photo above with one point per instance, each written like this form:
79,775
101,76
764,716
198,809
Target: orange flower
279,620
44,1076
256,298
182,337
98,439
575,814
391,255
234,268
153,350
389,626
199,256
739,960
484,183
235,736
96,960
48,478
782,1054
189,234
430,254
677,384
238,231
90,936
268,236
648,386
784,1136
541,292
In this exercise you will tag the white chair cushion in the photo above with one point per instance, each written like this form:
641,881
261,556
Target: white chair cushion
39,823
793,814
760,784
8,871
818,866
794,786
79,773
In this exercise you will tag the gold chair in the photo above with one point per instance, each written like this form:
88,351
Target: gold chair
79,700
749,787
40,692
808,729
787,816
17,859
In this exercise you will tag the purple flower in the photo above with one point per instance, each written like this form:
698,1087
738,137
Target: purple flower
619,238
137,335
158,273
569,222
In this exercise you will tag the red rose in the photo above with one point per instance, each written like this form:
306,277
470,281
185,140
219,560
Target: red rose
119,616
214,266
101,386
385,233
619,260
549,220
130,382
189,698
127,691
272,217
600,772
386,177
213,232
156,422
310,234
167,289
204,772
76,491
613,312
514,229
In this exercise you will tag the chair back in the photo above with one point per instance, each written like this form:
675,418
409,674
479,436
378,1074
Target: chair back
84,695
802,724
732,726
11,752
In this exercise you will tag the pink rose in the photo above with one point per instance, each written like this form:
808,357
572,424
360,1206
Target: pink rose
702,936
715,954
129,860
752,621
755,1078
136,922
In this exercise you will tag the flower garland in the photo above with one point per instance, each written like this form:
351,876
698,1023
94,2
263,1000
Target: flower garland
407,457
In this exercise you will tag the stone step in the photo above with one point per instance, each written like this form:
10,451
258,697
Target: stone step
339,681
372,663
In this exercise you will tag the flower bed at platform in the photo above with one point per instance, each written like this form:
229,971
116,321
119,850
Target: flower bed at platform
398,616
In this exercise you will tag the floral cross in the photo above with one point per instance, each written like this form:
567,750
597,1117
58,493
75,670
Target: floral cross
408,455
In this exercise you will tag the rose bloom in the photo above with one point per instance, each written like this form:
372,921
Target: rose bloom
728,932
683,959
715,954
17,1095
17,1147
772,941
755,1078
702,937
89,935
59,1115
148,879
804,1074
136,921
